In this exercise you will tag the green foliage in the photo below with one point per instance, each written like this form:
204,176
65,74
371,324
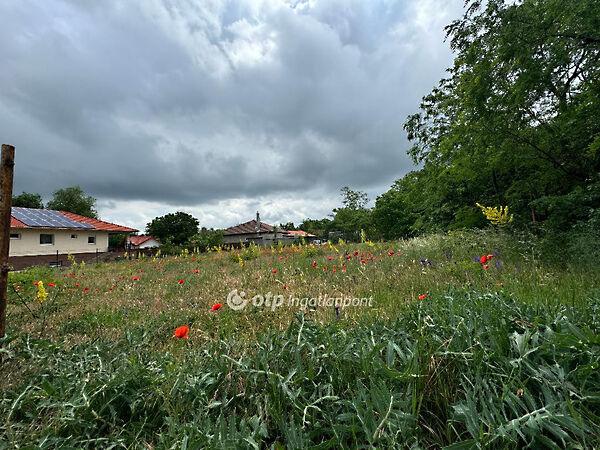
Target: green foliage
449,371
177,228
250,252
117,241
318,227
515,123
354,199
353,217
28,200
73,199
287,226
206,239
500,358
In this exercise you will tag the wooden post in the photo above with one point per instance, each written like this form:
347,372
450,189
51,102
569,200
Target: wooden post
6,181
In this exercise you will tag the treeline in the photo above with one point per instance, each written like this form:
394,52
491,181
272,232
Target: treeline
516,122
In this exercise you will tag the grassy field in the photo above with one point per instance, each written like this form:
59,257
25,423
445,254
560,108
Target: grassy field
449,353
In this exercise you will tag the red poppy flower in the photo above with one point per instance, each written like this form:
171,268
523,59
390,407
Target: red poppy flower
196,271
422,296
483,259
181,281
344,268
51,284
274,271
86,290
216,306
314,264
35,283
135,278
324,268
355,252
490,257
76,284
348,257
486,267
330,258
182,332
391,253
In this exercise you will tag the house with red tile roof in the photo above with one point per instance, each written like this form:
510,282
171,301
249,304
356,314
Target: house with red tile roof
142,241
45,236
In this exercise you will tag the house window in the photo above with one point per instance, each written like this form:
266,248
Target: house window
46,239
91,239
73,236
15,235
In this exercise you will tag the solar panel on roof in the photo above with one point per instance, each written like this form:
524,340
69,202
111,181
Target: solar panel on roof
46,218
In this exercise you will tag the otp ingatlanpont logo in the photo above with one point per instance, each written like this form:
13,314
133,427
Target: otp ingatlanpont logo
237,301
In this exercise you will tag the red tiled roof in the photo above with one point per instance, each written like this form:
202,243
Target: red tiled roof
248,228
139,240
14,223
299,233
100,225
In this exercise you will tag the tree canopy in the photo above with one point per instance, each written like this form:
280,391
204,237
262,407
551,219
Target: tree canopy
28,200
176,228
75,200
515,123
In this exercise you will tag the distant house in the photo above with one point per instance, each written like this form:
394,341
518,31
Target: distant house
142,241
298,234
45,236
261,233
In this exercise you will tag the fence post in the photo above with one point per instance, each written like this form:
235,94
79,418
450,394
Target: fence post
57,260
96,256
6,180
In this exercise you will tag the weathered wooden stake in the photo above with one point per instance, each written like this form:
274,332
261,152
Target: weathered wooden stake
6,181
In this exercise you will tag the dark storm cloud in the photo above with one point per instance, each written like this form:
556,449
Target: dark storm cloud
195,103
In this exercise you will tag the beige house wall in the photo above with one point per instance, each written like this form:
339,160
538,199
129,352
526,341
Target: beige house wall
267,238
29,242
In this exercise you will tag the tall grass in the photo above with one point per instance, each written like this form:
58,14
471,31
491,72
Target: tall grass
501,360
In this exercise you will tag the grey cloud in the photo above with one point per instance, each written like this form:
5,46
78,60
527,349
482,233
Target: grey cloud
195,103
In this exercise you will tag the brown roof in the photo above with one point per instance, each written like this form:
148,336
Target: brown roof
248,228
139,240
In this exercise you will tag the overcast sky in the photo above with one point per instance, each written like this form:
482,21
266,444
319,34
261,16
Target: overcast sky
217,108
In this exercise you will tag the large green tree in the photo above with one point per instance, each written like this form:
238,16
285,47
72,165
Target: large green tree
516,122
75,200
28,200
177,228
354,216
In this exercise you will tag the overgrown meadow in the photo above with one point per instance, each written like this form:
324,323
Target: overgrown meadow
455,350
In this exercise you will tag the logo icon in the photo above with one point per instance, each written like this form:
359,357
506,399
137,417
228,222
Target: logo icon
237,301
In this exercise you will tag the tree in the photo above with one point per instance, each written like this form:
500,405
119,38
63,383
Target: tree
318,227
207,239
353,216
175,228
28,200
287,226
516,122
354,199
73,199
